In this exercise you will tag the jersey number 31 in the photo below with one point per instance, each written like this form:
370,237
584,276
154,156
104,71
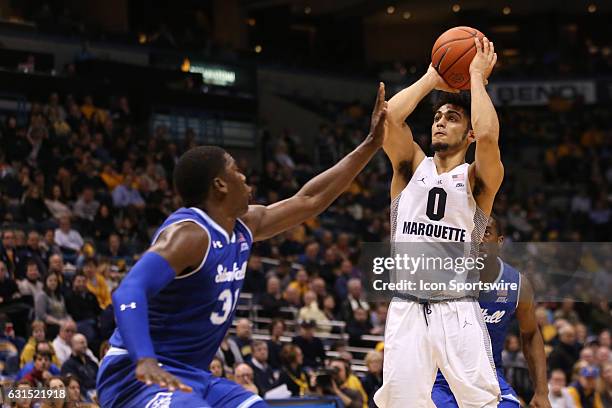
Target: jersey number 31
229,303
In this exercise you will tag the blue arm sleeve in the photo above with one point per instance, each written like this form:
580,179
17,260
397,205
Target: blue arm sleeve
149,276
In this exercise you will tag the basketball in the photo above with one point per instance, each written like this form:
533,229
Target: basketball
452,54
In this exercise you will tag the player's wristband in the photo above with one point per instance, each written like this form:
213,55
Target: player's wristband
150,275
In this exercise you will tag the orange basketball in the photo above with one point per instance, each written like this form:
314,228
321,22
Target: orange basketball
452,54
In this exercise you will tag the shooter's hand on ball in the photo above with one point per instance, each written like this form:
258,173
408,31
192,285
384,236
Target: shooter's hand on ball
484,61
377,123
149,372
441,84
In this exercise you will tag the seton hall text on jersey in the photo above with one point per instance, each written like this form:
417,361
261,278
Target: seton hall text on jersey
433,230
494,318
223,275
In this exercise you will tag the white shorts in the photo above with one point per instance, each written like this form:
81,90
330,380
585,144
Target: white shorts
454,339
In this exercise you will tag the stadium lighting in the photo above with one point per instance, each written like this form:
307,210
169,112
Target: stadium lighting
307,10
506,10
390,10
258,49
186,65
406,15
592,8
251,22
456,8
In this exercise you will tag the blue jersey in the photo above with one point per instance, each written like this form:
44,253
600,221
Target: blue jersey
498,308
188,319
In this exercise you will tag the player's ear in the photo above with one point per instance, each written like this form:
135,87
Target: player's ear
500,240
220,185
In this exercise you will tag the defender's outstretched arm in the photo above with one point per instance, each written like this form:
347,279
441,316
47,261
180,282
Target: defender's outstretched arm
321,191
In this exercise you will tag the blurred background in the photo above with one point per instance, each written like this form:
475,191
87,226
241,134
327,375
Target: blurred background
99,99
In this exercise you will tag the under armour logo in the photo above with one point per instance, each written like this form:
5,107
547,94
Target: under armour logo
465,323
422,180
130,305
217,244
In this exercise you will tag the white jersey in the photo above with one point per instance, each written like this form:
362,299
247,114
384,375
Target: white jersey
434,209
437,207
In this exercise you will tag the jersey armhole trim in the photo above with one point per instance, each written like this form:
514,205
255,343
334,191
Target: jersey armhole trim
468,184
207,249
247,228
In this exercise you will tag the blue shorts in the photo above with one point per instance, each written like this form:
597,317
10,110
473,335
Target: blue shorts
118,387
443,397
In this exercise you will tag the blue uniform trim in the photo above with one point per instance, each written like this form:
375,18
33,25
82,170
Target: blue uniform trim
246,227
214,224
158,233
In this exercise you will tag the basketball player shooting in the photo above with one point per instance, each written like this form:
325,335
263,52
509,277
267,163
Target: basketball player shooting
442,199
176,304
498,310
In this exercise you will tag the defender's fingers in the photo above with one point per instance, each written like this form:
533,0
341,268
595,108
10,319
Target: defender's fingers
380,96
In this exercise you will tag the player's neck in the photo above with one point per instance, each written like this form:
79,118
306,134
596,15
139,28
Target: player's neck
220,215
447,161
490,272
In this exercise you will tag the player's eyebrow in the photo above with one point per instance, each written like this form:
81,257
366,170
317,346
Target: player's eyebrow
447,112
454,111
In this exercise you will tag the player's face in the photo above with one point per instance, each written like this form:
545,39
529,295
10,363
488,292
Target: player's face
492,240
450,129
239,193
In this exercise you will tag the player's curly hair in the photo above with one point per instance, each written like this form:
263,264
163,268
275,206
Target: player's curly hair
461,99
195,171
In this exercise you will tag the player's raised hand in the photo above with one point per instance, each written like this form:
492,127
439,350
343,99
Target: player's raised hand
377,122
484,60
441,84
149,372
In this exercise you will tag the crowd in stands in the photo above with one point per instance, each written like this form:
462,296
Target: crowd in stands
82,188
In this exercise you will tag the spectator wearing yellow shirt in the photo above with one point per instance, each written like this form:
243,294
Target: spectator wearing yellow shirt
111,177
88,108
349,381
38,335
583,391
300,283
549,331
96,283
